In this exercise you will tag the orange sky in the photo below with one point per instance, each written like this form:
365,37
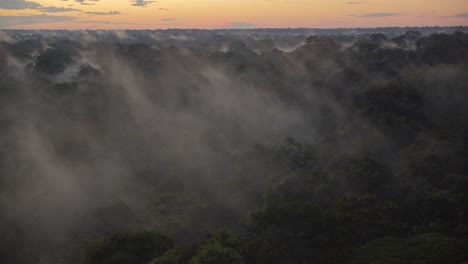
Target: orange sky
141,14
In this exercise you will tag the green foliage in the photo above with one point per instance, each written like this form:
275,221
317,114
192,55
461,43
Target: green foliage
54,61
215,253
352,175
219,247
170,257
424,248
363,217
397,109
296,156
129,248
180,255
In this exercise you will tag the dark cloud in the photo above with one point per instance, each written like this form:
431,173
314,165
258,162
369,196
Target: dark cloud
99,22
460,15
379,14
87,2
110,13
19,4
464,15
141,2
10,21
22,4
53,9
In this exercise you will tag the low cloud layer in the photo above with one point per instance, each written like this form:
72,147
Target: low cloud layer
110,13
11,21
463,15
53,9
378,14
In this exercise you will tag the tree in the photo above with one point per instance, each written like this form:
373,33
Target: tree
425,248
180,255
215,253
128,248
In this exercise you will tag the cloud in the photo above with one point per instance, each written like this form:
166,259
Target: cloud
355,3
22,4
53,9
141,2
460,15
86,2
168,19
240,25
110,13
10,21
97,22
464,15
19,4
381,14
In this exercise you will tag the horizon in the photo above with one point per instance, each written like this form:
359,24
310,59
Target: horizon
231,29
461,27
206,14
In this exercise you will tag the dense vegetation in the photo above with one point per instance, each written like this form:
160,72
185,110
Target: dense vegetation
140,147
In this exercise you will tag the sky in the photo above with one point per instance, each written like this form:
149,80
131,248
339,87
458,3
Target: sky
210,14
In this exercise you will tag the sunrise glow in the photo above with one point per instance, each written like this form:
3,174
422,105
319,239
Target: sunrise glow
119,14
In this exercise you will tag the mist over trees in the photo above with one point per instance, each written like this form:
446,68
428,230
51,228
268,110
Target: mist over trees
234,146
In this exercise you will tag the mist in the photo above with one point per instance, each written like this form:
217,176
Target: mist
184,132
